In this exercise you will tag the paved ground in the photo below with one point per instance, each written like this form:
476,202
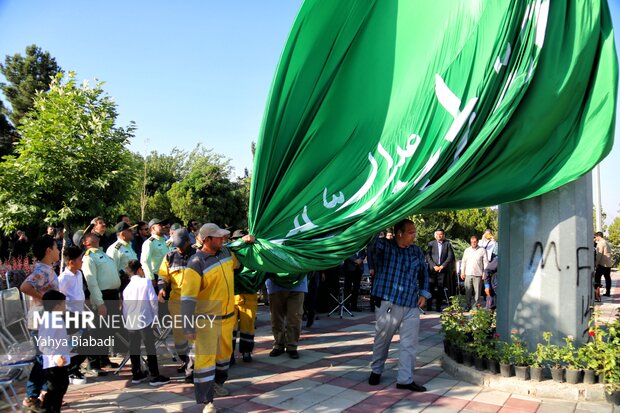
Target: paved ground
330,376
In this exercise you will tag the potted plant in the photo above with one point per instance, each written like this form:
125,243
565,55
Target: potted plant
481,325
504,353
521,357
611,362
591,354
553,356
538,360
571,361
453,326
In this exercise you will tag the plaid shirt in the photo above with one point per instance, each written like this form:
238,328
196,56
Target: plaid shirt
401,273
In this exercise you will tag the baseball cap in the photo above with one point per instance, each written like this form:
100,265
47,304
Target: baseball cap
122,226
180,237
155,221
212,230
79,234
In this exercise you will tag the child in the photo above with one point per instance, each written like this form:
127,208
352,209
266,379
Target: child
71,284
139,311
54,344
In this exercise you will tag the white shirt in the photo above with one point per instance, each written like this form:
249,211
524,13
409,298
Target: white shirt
72,285
474,261
53,341
139,303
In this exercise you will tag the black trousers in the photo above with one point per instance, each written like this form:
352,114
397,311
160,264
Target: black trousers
57,379
136,338
602,272
352,280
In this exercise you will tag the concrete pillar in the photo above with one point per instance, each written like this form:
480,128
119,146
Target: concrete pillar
546,264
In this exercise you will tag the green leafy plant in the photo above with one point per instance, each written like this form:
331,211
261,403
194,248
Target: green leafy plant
569,354
454,323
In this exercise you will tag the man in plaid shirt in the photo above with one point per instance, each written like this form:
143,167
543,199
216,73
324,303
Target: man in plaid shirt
400,287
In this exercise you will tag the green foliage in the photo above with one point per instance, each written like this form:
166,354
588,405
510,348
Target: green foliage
207,193
27,75
7,133
454,322
71,163
614,239
482,324
459,225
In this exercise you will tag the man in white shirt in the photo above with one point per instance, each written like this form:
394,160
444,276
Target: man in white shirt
472,267
139,312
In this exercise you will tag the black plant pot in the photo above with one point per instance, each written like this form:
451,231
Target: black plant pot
589,376
505,370
522,372
446,347
601,378
573,376
480,363
536,373
493,366
613,397
557,374
468,358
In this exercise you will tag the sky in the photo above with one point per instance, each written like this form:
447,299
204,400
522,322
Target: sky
186,72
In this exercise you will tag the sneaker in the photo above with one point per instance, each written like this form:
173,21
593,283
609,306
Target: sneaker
411,386
210,408
374,379
247,357
159,380
294,354
219,390
181,368
77,378
96,372
139,378
276,352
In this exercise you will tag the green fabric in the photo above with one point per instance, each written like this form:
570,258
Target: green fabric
381,109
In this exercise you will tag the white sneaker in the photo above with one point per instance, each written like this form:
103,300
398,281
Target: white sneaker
77,379
219,390
210,408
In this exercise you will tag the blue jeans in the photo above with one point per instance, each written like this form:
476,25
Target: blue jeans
36,380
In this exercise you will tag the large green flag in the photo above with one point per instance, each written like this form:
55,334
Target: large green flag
381,109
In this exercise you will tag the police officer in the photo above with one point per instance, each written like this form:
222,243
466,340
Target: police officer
121,251
103,283
154,249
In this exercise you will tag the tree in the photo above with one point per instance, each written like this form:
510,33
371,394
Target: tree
459,224
154,178
207,194
71,162
614,231
27,75
7,133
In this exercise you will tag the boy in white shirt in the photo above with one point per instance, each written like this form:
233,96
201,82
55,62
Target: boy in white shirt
54,344
71,284
139,311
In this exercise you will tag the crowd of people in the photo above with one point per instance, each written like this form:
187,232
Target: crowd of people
151,269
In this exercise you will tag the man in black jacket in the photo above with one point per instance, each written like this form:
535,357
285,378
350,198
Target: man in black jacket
440,259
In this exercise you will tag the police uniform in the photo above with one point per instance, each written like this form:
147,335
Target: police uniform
121,252
172,273
154,250
208,290
101,275
103,283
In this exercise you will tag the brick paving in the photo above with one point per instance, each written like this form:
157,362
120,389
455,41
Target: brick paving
330,376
